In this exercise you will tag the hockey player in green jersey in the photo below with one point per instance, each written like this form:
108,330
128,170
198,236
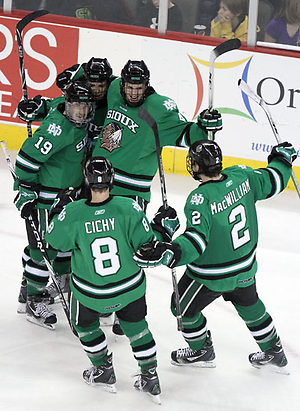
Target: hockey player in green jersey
46,163
218,248
97,72
103,233
128,142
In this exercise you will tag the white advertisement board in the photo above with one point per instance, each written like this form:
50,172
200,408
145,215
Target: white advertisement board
180,70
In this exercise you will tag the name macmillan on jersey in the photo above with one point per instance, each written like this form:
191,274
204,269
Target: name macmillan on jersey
231,198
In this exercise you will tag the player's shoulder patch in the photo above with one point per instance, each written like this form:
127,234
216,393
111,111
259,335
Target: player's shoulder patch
126,204
169,104
196,198
54,129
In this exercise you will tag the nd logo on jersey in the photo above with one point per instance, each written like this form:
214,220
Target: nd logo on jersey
54,129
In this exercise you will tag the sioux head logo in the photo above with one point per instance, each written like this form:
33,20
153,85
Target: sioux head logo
111,137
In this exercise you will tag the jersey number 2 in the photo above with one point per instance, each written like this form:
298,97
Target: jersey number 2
239,237
105,253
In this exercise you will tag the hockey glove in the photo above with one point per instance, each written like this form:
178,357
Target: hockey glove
156,253
284,152
26,198
65,78
166,222
33,109
64,197
210,121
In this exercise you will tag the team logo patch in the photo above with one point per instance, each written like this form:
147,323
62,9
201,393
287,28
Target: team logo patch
111,137
170,104
54,129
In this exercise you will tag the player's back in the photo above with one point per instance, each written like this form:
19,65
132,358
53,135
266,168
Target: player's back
223,211
107,234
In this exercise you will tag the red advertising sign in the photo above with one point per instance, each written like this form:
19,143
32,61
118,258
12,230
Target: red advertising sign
48,49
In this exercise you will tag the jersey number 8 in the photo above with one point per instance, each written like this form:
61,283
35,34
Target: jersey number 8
105,253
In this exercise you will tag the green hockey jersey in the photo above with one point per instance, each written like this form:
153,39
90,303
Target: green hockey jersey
220,240
129,143
52,157
103,238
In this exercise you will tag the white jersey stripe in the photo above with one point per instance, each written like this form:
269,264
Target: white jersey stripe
112,290
198,239
27,163
146,353
128,180
277,181
223,270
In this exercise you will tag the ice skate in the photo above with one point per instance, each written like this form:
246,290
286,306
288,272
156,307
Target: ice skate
63,283
149,384
116,328
192,358
273,359
102,376
22,298
39,313
106,319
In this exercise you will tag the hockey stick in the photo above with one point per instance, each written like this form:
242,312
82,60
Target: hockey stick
40,243
222,48
144,115
260,101
19,28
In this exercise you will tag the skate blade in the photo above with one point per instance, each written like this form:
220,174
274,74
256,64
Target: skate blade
40,323
200,364
105,387
273,368
154,398
21,308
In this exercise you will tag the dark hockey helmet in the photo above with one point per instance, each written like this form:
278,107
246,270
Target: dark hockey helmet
80,93
134,72
99,173
97,70
208,155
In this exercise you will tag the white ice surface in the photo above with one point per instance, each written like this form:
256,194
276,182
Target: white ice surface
42,369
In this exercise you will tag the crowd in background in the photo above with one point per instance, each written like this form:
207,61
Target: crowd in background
278,20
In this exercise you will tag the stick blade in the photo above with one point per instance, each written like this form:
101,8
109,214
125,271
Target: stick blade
30,17
231,44
245,88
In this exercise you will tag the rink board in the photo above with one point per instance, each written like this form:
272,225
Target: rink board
174,159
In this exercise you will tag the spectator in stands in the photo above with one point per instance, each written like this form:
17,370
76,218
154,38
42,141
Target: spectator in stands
232,20
285,27
147,15
53,6
207,10
115,11
104,10
276,4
